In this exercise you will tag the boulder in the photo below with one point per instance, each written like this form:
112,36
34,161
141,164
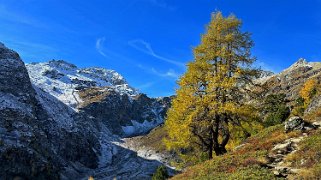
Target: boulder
294,123
297,123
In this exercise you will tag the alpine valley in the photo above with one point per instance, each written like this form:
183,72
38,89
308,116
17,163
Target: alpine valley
58,121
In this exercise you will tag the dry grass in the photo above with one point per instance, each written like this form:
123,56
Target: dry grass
247,162
266,140
91,95
313,115
228,167
308,157
154,139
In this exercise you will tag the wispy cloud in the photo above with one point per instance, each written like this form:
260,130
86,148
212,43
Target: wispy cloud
100,46
170,73
146,48
11,16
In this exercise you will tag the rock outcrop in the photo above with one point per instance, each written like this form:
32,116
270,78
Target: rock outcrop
297,123
34,142
291,80
47,131
103,94
124,115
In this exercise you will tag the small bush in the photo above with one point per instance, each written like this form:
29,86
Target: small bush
298,109
277,117
161,173
275,109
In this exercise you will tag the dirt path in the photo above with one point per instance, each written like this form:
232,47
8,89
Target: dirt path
282,150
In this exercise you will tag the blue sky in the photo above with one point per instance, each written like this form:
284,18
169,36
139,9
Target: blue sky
149,41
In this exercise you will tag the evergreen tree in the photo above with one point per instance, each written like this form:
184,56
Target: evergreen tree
275,109
210,103
161,173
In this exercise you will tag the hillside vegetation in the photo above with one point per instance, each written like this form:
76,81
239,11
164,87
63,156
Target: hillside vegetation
230,121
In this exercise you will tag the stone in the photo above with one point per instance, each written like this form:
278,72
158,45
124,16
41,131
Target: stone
283,148
294,123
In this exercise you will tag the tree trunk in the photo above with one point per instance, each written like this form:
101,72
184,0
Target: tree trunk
210,152
220,150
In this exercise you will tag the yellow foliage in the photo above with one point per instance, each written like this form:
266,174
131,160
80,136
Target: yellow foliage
308,90
211,91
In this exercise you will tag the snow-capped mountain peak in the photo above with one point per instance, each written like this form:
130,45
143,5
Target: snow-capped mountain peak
63,80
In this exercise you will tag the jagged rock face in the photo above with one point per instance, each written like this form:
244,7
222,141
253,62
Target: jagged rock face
294,123
63,80
36,143
291,80
126,116
101,93
13,75
265,74
62,123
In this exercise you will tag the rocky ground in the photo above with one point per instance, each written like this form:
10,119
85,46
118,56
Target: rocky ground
281,151
146,152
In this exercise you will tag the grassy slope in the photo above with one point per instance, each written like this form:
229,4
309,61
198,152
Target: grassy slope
247,162
308,157
250,160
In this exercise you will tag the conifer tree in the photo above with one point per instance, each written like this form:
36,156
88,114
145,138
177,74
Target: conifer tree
210,103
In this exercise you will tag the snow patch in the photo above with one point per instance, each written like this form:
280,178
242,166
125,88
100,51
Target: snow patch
107,149
140,128
63,80
56,110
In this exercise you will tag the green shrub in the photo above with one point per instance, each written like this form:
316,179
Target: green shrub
299,107
277,117
161,173
275,109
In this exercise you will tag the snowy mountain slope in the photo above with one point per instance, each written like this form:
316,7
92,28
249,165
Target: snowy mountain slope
43,138
124,115
63,80
35,128
62,114
101,93
141,127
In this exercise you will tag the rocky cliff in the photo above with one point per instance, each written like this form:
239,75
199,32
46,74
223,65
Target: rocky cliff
34,141
291,80
101,93
65,123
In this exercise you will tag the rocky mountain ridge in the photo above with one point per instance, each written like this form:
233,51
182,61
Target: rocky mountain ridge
291,80
46,135
63,80
101,93
33,143
58,121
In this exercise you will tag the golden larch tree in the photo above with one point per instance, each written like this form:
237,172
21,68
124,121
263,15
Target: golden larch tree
210,105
